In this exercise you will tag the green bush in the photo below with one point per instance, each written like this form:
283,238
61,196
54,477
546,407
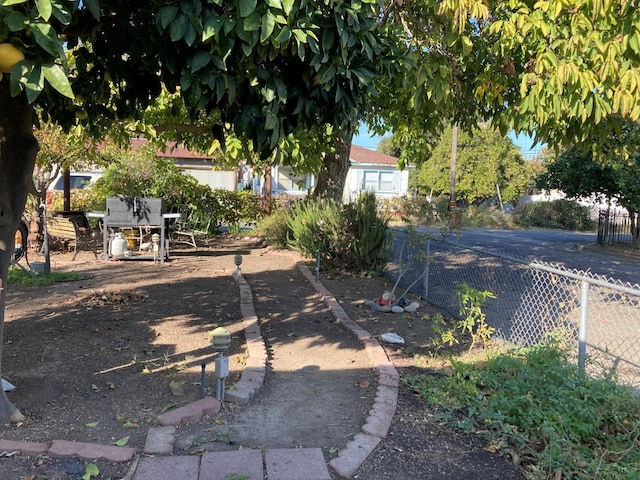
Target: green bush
537,405
556,214
487,218
314,225
364,239
411,210
275,228
352,238
238,207
143,174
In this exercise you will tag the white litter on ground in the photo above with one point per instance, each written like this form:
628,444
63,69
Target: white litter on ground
392,338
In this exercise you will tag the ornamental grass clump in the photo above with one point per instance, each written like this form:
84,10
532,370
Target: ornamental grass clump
352,238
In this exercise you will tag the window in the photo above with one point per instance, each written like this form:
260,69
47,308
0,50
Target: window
378,181
386,181
76,181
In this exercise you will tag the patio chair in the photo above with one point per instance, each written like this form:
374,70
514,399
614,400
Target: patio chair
188,229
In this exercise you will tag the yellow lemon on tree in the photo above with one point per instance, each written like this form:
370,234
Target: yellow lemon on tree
9,56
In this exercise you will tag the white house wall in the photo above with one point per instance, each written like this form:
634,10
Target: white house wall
355,179
216,179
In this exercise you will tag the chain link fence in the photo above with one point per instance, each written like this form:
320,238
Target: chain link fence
599,316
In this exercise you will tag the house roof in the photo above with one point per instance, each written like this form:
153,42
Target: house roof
364,156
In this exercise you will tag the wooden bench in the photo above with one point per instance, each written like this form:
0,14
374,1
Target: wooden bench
65,229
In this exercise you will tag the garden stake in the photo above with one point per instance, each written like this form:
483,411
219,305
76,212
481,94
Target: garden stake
202,380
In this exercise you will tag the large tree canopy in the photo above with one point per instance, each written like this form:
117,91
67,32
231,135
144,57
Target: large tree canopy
266,68
564,72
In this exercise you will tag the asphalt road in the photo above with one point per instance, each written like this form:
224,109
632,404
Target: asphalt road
574,250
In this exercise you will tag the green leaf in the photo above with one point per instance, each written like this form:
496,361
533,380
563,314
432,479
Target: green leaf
46,37
122,442
300,35
44,8
200,60
283,36
92,424
229,25
16,21
91,470
212,27
268,24
328,75
94,7
287,6
247,7
252,22
328,37
190,35
34,82
57,79
167,15
178,27
281,88
275,4
6,3
169,406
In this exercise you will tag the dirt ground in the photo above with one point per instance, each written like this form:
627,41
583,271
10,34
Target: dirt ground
97,360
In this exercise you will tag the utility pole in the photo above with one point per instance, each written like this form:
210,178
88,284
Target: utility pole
452,172
455,217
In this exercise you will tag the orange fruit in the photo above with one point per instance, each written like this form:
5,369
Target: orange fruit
9,56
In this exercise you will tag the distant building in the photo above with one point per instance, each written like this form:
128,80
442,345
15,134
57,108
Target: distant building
202,167
370,171
375,172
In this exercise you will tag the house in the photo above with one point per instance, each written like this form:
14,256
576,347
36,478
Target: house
370,171
202,167
375,172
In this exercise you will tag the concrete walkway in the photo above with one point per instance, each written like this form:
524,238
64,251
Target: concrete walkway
157,461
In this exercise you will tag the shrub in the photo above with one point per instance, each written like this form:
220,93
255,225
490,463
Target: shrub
275,228
411,210
365,240
487,218
143,174
352,238
556,214
238,207
314,225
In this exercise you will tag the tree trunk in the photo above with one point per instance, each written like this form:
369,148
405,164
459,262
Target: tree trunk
333,175
18,149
